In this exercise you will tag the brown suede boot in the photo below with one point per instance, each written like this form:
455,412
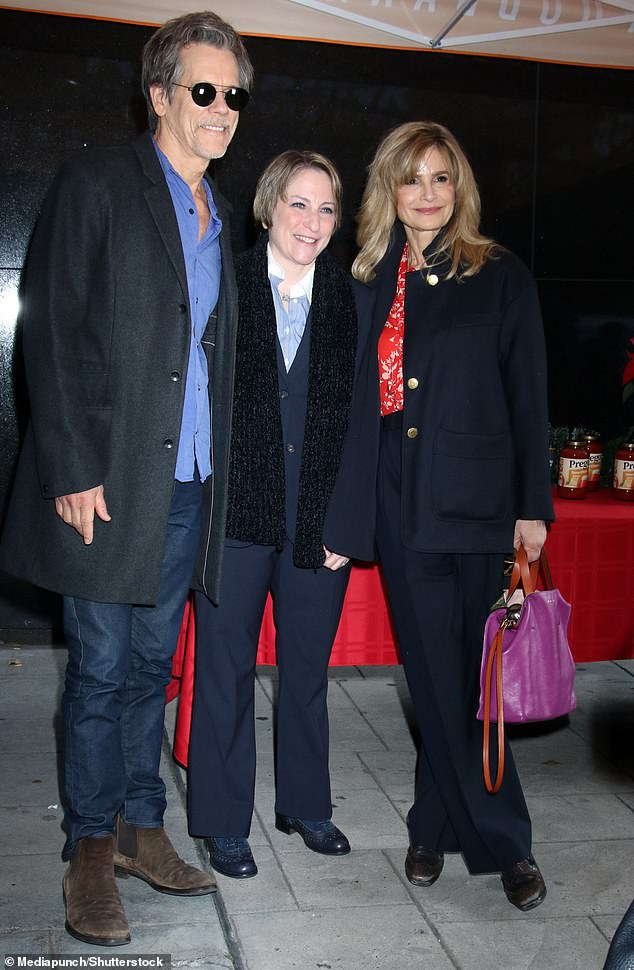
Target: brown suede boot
148,854
94,913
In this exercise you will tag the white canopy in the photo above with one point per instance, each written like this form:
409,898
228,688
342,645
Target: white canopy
591,32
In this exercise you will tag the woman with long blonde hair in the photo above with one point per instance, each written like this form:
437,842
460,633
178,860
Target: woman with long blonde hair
463,476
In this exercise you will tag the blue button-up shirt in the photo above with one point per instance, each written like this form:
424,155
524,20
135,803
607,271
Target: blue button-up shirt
203,267
291,316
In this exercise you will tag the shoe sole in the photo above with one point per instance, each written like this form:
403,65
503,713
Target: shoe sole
95,940
532,904
421,882
234,875
122,873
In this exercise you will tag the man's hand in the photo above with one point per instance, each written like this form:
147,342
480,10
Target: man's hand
334,561
532,535
78,510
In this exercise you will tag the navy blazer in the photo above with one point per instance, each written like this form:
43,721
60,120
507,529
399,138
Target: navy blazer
349,526
475,415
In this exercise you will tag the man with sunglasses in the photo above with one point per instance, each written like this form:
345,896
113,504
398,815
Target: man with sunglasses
129,335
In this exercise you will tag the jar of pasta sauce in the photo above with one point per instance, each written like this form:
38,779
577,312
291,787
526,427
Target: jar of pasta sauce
574,460
595,449
623,483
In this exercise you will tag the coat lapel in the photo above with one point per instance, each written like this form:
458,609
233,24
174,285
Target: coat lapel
159,200
386,275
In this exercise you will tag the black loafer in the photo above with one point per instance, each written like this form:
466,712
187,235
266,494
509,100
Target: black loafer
524,884
323,837
232,857
423,866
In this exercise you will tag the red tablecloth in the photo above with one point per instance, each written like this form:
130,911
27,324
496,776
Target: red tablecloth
591,554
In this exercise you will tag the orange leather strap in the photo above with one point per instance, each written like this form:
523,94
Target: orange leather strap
495,656
525,577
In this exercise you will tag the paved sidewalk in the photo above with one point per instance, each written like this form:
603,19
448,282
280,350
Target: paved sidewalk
309,912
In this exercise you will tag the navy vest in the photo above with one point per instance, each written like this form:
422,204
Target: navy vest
293,390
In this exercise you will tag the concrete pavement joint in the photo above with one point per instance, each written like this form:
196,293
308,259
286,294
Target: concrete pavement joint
232,944
380,785
433,929
276,856
363,716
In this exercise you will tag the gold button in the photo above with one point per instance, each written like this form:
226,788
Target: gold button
412,432
412,383
432,279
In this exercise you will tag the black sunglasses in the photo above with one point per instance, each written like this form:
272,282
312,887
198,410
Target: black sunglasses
204,93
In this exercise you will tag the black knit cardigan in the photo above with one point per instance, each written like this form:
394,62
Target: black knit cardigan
256,509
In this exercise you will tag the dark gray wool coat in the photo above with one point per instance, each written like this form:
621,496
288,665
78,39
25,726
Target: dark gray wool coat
106,337
256,472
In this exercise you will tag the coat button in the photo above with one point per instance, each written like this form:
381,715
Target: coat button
182,308
168,443
412,432
175,376
412,383
432,279
283,395
290,448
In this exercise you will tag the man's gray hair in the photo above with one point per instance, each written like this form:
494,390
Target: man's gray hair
161,59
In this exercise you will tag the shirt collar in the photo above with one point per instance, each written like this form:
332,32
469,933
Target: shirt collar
166,165
303,287
169,170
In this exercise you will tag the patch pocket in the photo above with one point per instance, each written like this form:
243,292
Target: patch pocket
471,476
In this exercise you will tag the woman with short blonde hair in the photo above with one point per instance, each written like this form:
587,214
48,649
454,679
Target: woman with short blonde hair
293,520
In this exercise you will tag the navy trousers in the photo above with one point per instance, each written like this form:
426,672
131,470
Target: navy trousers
439,605
307,606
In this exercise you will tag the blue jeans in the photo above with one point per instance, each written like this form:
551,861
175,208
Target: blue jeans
119,664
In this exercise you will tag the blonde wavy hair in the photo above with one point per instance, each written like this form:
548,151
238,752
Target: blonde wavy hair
396,161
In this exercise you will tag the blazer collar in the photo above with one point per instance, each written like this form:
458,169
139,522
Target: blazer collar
434,255
387,270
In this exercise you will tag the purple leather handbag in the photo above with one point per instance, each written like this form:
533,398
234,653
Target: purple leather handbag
527,671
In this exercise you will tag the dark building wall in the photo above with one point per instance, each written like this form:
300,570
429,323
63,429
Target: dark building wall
552,147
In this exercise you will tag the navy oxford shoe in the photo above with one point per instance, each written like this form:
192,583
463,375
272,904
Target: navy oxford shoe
232,857
323,837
